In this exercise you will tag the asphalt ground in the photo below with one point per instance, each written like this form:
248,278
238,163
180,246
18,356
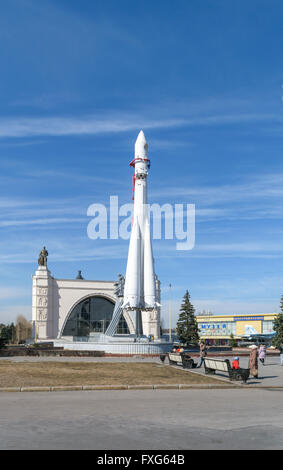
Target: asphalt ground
143,419
246,418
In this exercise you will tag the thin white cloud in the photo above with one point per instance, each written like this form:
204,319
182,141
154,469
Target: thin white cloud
242,247
91,125
42,221
63,126
262,186
9,313
62,249
12,293
218,307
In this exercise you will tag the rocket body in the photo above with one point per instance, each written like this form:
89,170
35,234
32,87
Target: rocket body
140,290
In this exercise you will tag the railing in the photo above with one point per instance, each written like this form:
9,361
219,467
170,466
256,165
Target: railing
117,347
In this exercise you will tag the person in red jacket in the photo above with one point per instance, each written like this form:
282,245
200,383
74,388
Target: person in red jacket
235,363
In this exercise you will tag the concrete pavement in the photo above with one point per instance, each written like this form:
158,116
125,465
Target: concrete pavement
160,419
246,418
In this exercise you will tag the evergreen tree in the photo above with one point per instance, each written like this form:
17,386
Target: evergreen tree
187,327
278,327
7,333
232,341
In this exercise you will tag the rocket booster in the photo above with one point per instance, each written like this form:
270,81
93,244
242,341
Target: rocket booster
139,290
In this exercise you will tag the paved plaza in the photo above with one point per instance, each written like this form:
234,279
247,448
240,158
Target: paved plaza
270,375
161,419
246,418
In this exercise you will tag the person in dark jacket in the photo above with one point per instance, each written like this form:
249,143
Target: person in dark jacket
202,353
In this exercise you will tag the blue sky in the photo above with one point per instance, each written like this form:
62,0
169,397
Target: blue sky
204,82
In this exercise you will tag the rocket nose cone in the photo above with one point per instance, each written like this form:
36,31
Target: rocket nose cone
141,147
141,136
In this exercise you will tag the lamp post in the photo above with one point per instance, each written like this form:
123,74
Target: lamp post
35,330
170,314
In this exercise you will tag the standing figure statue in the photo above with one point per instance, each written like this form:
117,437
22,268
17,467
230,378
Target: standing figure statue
42,260
119,286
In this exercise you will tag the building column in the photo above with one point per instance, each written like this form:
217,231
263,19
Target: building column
42,304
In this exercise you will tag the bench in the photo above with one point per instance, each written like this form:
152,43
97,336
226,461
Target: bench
181,359
213,365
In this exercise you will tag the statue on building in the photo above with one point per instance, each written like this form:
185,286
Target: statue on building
119,286
79,276
42,260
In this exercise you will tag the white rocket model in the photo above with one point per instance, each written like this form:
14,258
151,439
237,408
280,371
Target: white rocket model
139,290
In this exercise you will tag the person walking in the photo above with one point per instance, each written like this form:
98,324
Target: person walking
262,353
281,354
202,353
253,362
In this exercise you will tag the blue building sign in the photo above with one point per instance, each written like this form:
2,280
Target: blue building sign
217,329
242,318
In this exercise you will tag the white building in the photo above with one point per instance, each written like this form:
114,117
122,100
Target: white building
81,310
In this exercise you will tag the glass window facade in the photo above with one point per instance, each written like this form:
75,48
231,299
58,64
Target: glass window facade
267,327
92,315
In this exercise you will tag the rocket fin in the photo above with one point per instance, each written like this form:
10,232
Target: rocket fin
149,274
132,289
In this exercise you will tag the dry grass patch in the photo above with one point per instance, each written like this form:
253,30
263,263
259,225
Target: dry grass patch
15,374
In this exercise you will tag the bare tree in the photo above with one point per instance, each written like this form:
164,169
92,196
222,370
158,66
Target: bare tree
23,329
